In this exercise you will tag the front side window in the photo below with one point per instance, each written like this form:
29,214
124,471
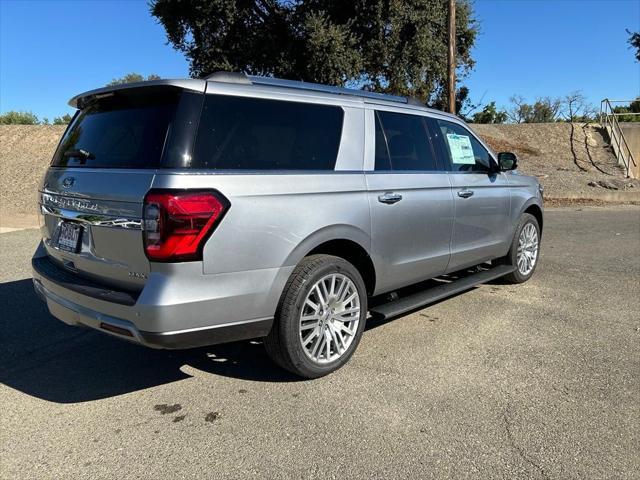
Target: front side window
402,143
466,154
238,133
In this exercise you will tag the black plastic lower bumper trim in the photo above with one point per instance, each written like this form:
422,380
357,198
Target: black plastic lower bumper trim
208,336
52,272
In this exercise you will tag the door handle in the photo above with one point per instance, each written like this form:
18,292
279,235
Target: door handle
390,198
465,193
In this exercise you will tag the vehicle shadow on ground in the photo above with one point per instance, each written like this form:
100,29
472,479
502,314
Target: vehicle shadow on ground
44,358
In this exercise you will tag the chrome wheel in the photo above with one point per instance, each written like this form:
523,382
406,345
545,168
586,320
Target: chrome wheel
527,249
329,318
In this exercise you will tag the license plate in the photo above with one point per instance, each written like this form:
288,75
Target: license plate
69,238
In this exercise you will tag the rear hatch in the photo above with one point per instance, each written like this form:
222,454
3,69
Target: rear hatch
92,196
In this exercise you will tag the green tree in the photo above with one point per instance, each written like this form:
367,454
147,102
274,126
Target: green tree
18,118
490,114
520,110
634,42
543,110
63,120
634,107
464,105
131,78
379,45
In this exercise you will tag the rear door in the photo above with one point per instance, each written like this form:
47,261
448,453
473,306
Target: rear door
481,197
410,201
92,196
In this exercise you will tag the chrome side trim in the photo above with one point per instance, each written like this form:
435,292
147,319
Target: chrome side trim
93,219
99,207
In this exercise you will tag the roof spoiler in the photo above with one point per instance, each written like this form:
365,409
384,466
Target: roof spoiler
84,99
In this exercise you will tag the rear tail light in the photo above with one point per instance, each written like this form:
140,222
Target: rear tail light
177,224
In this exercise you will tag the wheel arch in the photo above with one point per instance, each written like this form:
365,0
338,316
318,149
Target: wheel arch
344,241
535,210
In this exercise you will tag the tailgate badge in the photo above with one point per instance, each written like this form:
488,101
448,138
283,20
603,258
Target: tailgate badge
138,275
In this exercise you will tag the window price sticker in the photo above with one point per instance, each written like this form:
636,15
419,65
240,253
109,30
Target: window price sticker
460,148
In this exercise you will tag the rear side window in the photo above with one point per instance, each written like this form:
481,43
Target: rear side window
466,154
123,130
237,133
403,143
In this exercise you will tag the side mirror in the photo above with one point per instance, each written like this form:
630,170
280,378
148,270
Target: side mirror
507,161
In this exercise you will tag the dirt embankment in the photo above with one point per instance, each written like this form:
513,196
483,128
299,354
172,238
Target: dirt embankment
572,161
566,158
25,153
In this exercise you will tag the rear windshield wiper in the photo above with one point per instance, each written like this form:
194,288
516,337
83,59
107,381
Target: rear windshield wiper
83,155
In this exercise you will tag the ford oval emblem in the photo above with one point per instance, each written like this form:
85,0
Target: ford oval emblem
68,182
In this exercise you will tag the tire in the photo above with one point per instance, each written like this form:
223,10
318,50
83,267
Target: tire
296,319
522,275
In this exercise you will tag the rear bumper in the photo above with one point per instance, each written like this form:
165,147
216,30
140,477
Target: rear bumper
77,315
237,307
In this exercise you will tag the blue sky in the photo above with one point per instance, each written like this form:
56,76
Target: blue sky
51,50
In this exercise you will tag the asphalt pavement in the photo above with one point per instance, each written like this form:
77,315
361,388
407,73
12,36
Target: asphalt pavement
540,380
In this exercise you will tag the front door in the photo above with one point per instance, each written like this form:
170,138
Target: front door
410,202
481,197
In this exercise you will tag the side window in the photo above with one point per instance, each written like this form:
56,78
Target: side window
402,143
466,154
238,133
382,152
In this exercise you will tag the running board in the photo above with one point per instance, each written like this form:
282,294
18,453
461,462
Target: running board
406,304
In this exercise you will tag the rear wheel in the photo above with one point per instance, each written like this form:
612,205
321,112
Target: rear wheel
320,317
524,250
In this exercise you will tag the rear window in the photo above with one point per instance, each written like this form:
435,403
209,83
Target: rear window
119,131
237,133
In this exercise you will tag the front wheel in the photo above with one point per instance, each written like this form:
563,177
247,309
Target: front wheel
320,317
524,251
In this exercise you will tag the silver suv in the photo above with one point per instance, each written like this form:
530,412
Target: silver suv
183,213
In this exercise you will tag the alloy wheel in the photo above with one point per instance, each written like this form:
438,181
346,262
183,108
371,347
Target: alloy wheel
527,253
329,318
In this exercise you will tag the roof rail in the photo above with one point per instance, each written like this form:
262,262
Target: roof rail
415,101
317,87
238,77
228,77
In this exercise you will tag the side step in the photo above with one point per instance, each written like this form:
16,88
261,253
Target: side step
411,302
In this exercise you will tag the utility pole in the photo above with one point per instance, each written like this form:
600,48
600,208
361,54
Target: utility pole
452,56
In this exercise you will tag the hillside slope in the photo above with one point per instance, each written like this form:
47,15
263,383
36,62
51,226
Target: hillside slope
25,153
565,157
565,167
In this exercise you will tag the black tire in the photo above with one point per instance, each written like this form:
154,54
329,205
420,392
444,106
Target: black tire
511,258
283,343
